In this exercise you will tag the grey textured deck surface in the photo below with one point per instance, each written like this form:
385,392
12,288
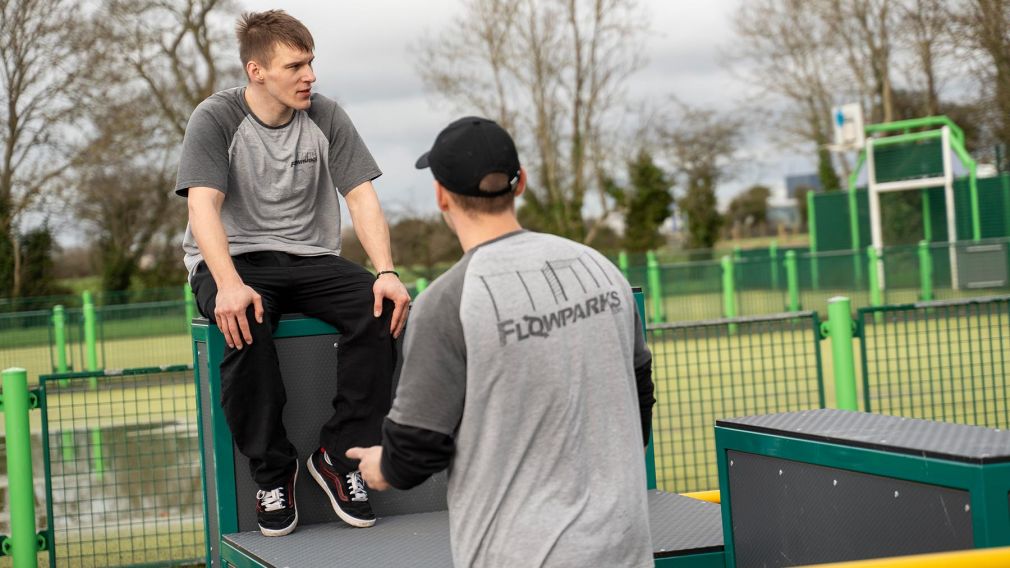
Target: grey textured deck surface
680,525
896,434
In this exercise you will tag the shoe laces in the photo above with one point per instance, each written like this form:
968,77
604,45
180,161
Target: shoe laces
271,500
358,492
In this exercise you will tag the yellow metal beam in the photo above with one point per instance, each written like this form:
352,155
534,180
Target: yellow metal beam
976,558
710,496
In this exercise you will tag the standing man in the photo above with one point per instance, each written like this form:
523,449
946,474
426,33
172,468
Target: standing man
261,167
526,373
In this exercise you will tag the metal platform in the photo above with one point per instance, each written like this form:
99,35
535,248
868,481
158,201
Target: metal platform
682,528
925,438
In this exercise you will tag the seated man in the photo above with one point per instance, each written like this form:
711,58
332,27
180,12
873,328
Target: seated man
526,374
261,166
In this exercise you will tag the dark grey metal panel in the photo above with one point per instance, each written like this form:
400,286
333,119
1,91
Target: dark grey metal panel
926,438
787,513
680,526
309,368
209,479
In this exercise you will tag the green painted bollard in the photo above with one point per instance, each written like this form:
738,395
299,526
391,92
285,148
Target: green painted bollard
622,263
187,297
655,287
839,329
873,265
20,488
60,338
925,272
773,255
793,281
728,287
91,362
90,335
421,285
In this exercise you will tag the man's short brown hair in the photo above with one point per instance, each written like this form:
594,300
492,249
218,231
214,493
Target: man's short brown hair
490,183
259,32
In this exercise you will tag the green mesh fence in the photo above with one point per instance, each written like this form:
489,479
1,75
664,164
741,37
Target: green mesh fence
141,335
709,370
947,361
122,459
691,290
24,341
909,161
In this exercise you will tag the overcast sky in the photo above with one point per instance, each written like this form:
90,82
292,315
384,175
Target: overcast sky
363,60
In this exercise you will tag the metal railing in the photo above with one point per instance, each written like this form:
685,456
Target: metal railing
944,360
723,368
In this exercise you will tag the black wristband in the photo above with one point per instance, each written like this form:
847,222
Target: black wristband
381,272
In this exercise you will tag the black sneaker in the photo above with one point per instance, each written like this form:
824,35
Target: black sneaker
276,511
346,491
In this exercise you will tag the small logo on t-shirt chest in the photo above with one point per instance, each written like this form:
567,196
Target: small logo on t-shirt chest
305,158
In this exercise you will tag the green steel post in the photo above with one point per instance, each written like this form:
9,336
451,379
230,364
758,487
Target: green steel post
843,360
91,362
421,284
773,255
793,281
737,252
622,263
815,276
655,288
927,218
876,298
925,272
728,287
20,488
187,296
90,337
857,266
60,338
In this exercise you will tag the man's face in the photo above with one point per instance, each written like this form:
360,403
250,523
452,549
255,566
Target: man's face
289,76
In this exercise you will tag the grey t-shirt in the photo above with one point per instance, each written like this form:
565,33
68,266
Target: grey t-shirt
279,182
525,352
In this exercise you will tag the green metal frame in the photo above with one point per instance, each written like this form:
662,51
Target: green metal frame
988,485
957,143
224,457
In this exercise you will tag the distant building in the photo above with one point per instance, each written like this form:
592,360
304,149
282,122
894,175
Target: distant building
782,209
795,182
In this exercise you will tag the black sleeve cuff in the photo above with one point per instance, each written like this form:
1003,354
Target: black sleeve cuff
411,455
643,380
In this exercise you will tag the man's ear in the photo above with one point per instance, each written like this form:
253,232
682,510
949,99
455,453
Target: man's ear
441,196
254,71
522,182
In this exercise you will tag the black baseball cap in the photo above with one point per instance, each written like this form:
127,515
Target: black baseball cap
469,149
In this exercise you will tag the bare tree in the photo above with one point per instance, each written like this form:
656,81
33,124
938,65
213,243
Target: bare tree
168,56
984,27
552,72
43,47
864,30
701,144
924,31
785,49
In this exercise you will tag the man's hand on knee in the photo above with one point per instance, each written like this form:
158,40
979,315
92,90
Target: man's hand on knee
388,286
229,313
